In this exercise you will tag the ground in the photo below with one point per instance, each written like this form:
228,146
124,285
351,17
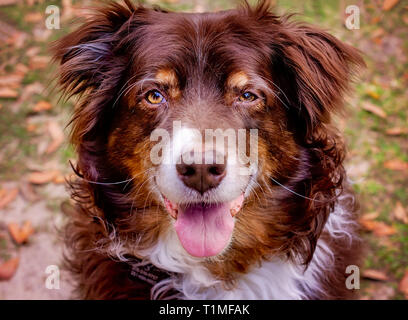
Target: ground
34,152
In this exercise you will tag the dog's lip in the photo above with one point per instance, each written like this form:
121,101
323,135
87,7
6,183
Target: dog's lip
235,206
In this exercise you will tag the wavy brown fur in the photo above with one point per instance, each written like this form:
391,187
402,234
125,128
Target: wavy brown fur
298,145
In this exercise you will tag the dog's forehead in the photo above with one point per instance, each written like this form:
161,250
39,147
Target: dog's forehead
208,39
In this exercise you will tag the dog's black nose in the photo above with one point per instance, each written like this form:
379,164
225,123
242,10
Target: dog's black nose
201,177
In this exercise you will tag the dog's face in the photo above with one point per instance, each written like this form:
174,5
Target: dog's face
157,84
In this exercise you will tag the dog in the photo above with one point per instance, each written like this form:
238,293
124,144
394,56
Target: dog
161,215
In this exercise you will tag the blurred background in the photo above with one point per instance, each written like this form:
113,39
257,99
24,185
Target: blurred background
34,152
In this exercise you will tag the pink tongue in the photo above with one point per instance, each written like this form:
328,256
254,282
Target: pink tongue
204,230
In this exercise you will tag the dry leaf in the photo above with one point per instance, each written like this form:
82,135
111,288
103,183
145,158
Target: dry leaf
8,268
42,106
389,4
57,136
396,165
374,109
42,177
370,216
33,51
39,62
396,131
21,69
33,17
7,196
28,192
20,235
403,286
373,94
59,179
8,93
12,81
375,275
378,228
399,213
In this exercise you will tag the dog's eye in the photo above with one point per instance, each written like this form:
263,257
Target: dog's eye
247,97
155,97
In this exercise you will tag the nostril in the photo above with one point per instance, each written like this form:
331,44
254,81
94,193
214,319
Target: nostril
185,170
216,170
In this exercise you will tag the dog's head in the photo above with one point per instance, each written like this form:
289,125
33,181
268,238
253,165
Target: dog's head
215,125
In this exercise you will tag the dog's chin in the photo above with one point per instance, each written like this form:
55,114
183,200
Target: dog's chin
204,229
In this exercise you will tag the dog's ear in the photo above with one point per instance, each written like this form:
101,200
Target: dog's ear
93,63
85,55
322,68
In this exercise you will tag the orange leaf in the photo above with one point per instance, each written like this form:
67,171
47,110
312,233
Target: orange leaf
8,93
20,235
57,136
12,81
42,106
389,4
39,62
400,213
396,131
403,286
7,196
373,94
396,165
42,177
33,17
8,268
378,228
375,275
374,109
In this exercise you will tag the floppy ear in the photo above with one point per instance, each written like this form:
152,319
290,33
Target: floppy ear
93,62
321,69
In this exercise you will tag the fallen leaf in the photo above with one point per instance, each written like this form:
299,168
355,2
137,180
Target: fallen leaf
12,81
42,177
8,2
396,165
389,4
39,62
33,51
373,94
42,106
370,216
7,196
20,235
403,285
377,227
400,214
374,109
31,127
396,131
33,17
8,93
28,192
57,136
375,275
59,179
8,268
21,69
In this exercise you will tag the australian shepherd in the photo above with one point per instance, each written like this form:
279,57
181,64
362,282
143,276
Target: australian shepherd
208,163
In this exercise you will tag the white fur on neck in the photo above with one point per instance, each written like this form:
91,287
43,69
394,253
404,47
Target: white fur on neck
275,279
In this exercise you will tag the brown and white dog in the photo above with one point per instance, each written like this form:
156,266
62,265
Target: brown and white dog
279,227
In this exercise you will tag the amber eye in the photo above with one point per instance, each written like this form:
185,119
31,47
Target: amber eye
247,97
155,97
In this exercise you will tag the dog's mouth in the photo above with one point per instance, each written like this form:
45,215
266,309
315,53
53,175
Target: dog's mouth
203,229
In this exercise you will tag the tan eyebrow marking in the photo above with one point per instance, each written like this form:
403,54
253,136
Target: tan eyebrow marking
237,80
169,78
